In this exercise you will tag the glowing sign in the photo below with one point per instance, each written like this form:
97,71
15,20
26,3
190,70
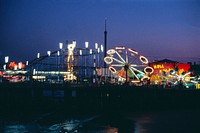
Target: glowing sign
197,86
159,66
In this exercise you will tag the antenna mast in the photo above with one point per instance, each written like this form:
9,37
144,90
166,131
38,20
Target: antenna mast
105,41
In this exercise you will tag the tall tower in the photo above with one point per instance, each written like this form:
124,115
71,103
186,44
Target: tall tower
105,41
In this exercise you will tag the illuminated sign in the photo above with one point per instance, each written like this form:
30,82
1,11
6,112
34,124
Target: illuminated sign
158,66
197,86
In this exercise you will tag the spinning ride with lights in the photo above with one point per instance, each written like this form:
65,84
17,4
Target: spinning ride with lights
127,65
182,79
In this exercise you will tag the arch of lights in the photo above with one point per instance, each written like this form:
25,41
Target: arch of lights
127,65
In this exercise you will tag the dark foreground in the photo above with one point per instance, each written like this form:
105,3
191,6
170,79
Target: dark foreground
109,109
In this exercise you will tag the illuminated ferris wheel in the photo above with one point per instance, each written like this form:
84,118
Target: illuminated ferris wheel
128,65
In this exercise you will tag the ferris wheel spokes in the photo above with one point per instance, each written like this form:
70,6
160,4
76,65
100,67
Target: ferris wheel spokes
118,60
127,64
120,57
135,65
134,74
118,65
137,70
126,57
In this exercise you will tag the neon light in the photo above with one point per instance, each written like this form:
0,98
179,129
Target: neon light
143,59
148,70
111,51
145,77
108,60
120,56
133,51
134,73
159,66
135,81
118,60
112,69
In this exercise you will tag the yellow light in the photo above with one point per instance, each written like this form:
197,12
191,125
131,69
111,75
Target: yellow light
133,51
143,59
150,68
112,69
108,60
90,51
135,81
111,51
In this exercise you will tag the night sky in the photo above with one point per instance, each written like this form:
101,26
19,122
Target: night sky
155,28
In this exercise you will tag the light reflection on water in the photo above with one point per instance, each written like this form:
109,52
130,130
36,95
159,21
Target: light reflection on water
173,122
16,129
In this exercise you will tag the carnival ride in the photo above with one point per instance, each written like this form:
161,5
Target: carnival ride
84,65
127,65
182,78
70,61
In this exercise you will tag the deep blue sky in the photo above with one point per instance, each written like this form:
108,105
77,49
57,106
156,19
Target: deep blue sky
155,28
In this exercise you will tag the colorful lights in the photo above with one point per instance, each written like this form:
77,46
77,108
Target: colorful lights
15,66
148,70
123,64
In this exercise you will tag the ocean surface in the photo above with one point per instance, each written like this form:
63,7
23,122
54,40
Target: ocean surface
177,121
102,110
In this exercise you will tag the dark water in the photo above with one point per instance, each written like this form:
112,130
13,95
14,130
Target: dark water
121,110
111,122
